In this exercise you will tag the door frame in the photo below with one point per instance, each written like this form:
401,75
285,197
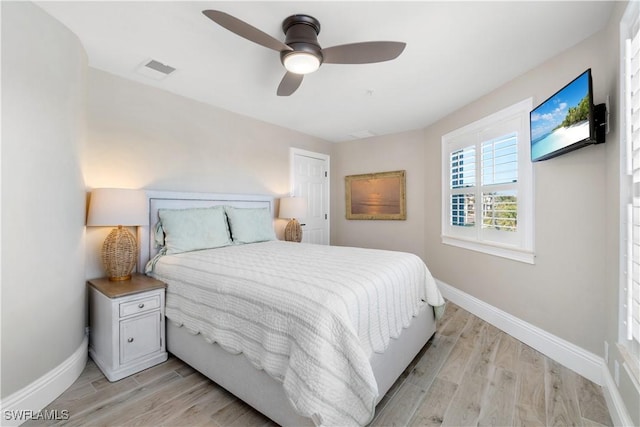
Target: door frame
293,151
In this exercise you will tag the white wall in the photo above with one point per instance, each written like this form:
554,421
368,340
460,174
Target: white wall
43,198
143,137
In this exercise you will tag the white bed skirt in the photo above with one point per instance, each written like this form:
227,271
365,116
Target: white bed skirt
255,387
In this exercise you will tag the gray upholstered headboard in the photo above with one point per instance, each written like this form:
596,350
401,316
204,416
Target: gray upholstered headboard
181,200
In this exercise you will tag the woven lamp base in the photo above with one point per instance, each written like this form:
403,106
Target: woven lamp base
293,231
119,254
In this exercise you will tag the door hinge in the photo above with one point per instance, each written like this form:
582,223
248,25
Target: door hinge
325,216
325,174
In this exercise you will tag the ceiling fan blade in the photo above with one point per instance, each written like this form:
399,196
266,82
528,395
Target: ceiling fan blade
245,30
289,84
362,53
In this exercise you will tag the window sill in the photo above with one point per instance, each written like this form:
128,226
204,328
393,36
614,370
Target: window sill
496,250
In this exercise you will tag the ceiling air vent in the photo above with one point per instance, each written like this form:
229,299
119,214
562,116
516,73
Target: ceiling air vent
361,134
155,70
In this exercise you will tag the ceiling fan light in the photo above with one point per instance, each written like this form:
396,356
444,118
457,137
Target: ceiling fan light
301,62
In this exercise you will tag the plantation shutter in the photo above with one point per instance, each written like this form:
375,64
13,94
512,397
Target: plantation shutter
499,176
632,102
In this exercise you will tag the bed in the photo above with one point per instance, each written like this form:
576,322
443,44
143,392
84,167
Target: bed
305,334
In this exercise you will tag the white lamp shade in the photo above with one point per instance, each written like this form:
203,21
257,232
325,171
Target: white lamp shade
293,207
117,206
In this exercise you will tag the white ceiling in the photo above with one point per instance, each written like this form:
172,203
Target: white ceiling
456,52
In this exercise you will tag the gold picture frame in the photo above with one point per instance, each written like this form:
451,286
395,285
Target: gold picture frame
376,196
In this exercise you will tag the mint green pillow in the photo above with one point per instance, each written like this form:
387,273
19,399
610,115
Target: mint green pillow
250,225
194,229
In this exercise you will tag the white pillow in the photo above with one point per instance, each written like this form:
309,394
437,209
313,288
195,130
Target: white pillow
194,229
250,225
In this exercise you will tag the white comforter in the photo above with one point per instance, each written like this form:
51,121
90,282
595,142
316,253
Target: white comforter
309,315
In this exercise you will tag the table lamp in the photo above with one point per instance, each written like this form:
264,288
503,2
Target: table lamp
118,207
292,208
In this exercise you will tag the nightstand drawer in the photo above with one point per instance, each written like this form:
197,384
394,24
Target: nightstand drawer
139,306
139,336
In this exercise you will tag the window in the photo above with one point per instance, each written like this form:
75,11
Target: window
487,189
630,185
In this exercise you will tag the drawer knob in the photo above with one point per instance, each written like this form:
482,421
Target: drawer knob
141,305
130,340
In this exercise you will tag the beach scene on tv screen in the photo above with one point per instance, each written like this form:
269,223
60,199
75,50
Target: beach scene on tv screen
561,120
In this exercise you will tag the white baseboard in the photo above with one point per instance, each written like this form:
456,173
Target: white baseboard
617,408
29,401
570,355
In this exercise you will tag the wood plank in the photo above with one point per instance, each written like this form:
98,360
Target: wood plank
431,411
185,371
201,412
427,368
150,398
231,413
471,330
507,353
454,368
400,409
562,400
71,395
530,355
456,324
250,418
465,406
484,353
177,408
498,401
450,309
526,416
154,372
106,393
592,403
103,414
588,423
530,407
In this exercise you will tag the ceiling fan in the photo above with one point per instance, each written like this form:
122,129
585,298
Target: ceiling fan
301,53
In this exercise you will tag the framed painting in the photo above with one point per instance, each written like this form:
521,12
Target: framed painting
376,196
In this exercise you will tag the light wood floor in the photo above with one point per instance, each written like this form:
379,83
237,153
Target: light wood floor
469,374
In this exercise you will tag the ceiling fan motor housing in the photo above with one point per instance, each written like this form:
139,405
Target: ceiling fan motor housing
301,33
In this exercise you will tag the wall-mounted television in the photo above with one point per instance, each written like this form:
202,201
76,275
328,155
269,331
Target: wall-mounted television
568,120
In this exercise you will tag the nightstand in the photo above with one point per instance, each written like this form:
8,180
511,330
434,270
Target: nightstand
127,325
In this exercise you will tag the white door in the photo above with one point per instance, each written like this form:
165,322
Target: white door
310,179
